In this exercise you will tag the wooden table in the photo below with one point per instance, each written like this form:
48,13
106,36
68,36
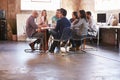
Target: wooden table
46,42
117,34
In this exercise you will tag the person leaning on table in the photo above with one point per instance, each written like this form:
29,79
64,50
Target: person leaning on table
33,30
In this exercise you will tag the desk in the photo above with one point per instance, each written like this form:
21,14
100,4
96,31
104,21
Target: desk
117,34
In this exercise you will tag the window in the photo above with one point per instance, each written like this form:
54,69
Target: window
40,4
107,4
40,0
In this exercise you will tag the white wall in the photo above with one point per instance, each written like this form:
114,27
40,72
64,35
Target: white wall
21,30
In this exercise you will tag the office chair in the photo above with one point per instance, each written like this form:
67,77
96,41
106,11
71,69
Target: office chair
66,35
84,39
37,47
90,36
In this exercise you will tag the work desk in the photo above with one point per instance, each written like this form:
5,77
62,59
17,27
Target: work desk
110,34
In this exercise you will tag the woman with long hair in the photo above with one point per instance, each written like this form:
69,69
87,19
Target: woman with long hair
43,22
79,29
43,18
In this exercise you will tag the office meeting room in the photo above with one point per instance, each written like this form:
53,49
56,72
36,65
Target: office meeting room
59,39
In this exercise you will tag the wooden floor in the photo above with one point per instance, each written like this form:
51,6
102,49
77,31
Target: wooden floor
15,64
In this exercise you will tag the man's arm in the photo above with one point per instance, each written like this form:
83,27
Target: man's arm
57,26
77,24
33,24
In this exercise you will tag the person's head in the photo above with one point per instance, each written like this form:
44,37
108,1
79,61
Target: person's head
44,13
82,14
74,15
62,13
88,14
35,14
57,13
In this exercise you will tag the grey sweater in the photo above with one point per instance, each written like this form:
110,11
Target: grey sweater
81,27
31,26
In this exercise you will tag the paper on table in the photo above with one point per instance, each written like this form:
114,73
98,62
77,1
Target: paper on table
47,27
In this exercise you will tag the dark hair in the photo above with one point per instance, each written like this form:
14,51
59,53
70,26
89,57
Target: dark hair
63,11
83,15
88,13
75,14
58,10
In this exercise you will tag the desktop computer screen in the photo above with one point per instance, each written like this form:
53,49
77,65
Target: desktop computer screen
119,17
2,14
101,17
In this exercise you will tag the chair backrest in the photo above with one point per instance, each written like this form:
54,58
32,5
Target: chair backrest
66,35
94,32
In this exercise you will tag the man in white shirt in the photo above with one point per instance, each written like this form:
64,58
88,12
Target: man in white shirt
91,24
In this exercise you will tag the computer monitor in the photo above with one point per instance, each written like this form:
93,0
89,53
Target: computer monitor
101,17
2,14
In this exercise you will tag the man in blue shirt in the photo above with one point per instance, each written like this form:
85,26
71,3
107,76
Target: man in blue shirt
62,23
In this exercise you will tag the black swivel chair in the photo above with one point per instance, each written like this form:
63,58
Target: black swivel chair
66,35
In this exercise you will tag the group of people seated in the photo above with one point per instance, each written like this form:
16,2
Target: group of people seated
80,23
